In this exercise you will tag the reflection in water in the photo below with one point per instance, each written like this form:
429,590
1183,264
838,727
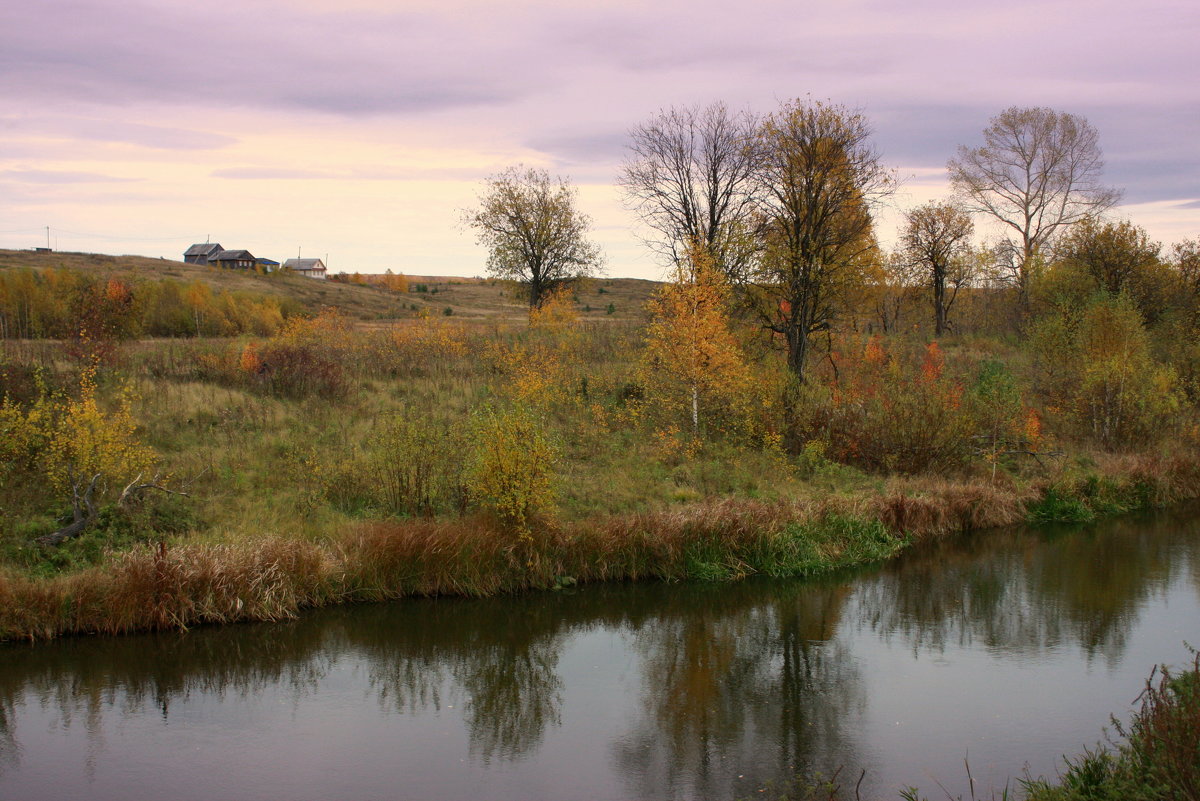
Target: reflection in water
758,678
1026,593
754,666
501,656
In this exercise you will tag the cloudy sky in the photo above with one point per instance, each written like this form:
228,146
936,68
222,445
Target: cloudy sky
358,129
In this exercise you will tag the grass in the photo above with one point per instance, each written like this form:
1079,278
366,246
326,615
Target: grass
349,441
1157,757
470,298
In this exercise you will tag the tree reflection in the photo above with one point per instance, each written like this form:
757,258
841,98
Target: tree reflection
501,658
1026,591
750,682
752,678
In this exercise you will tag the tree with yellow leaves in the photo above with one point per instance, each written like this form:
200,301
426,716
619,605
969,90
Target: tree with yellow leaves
692,360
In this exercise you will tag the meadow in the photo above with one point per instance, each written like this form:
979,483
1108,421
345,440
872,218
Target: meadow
304,445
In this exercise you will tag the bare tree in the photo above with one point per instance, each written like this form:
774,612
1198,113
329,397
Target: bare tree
818,180
690,176
533,232
1038,170
936,243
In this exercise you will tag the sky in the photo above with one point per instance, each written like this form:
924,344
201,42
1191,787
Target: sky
358,130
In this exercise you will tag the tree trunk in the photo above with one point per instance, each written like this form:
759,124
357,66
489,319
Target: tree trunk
797,342
939,303
84,513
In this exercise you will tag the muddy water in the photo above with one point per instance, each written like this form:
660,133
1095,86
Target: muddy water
1006,649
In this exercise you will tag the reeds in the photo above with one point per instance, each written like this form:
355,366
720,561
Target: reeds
163,587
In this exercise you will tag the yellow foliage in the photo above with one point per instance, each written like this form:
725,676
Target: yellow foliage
556,313
87,441
512,468
250,361
692,361
430,338
536,374
394,281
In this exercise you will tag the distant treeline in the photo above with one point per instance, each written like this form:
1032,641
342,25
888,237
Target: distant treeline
67,304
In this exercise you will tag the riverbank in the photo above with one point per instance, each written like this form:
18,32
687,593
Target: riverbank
181,584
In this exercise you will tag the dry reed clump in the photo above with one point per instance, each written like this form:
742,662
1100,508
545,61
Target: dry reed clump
30,609
1159,479
934,507
660,544
468,556
160,587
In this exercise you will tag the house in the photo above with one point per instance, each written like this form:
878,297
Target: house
234,260
267,265
201,254
313,268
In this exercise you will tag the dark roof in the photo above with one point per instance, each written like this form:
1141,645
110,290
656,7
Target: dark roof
205,249
261,260
233,255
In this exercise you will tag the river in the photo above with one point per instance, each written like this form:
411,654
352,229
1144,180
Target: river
1003,649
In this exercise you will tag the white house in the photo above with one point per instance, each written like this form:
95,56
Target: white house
313,268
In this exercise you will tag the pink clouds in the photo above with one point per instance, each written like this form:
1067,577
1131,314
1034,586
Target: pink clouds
181,96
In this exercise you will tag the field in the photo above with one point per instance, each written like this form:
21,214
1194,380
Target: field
382,447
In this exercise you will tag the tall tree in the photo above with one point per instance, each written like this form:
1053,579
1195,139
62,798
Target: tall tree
533,231
690,176
818,179
936,243
1038,170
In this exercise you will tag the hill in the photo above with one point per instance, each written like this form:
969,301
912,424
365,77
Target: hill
471,298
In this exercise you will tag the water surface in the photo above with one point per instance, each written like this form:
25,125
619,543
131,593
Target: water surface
1007,649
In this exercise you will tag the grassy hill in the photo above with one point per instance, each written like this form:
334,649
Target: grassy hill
470,298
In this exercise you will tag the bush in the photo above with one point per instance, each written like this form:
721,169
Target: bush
890,413
511,472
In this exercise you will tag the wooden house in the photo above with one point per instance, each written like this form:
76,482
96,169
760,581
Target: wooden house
201,254
234,260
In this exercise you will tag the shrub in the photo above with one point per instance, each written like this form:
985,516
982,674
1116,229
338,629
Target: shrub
413,468
511,472
891,412
1159,759
299,370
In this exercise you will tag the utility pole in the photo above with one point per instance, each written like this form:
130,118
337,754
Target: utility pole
47,237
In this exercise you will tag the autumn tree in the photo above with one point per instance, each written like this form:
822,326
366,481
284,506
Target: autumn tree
1037,171
818,179
1115,255
1185,259
533,231
692,359
936,243
690,176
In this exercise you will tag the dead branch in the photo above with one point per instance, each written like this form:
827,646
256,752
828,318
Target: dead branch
133,491
83,511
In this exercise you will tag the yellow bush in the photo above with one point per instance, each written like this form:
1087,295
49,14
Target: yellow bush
511,471
87,441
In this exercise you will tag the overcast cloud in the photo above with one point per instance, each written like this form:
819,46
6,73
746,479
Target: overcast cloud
304,101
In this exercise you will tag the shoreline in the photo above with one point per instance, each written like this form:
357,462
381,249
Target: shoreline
178,586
